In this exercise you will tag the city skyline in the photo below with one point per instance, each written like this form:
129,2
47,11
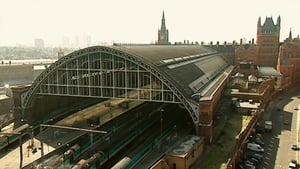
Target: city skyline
136,21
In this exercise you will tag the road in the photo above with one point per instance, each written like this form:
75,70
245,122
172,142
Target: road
281,111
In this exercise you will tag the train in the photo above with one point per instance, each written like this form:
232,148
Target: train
85,164
122,163
57,160
70,152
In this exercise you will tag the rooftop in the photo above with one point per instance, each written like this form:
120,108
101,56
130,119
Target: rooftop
184,146
265,71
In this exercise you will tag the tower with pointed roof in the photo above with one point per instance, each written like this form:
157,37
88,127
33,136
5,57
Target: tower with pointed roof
163,33
290,34
268,41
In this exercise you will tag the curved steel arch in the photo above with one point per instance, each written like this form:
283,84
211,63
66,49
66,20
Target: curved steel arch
107,73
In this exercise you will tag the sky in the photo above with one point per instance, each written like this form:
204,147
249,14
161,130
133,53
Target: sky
59,22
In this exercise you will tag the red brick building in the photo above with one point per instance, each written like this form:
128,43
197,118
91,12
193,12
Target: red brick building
246,58
264,52
268,41
289,61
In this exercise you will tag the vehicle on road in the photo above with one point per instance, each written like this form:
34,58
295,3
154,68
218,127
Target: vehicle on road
295,147
259,141
255,147
293,164
254,161
249,166
286,122
258,156
268,126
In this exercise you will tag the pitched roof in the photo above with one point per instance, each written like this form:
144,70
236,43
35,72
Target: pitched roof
190,67
268,71
269,25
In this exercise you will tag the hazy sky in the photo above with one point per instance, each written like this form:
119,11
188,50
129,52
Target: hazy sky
137,21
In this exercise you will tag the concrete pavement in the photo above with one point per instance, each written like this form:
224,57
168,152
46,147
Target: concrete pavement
11,160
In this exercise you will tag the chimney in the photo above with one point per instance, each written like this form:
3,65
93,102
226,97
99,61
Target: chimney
225,43
241,41
211,43
252,41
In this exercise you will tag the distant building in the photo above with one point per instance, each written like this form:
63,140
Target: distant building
288,63
268,42
39,43
20,72
246,58
269,55
60,53
163,33
183,155
264,52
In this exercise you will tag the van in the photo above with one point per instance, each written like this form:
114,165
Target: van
255,147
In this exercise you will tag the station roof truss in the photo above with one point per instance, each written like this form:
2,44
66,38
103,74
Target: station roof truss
158,73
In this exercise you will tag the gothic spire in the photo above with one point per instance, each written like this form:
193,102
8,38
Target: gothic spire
278,21
259,22
163,24
290,35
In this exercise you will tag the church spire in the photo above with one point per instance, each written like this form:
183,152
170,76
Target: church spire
163,22
163,33
290,35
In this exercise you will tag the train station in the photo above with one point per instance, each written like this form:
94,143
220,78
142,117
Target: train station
120,78
112,106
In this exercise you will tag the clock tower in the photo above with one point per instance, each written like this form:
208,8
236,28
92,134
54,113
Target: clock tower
163,33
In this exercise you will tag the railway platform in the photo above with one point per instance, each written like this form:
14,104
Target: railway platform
53,138
11,160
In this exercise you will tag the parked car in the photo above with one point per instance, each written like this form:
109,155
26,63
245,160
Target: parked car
286,122
245,161
257,156
255,147
293,164
260,129
249,166
295,147
254,161
258,141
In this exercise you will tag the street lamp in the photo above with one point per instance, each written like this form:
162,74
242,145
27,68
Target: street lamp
161,120
161,126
